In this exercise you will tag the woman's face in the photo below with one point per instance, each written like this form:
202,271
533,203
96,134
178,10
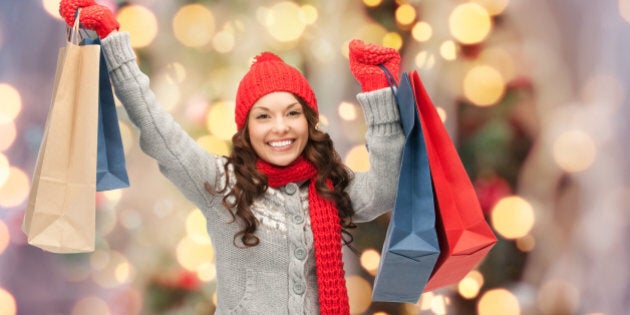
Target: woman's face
277,127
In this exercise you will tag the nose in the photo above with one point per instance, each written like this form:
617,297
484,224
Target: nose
280,125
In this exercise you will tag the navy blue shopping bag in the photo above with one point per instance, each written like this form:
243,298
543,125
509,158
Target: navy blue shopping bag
411,246
111,171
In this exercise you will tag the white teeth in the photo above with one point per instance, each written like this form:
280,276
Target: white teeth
280,143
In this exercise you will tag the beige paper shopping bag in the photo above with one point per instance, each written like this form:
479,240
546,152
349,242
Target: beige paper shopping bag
60,216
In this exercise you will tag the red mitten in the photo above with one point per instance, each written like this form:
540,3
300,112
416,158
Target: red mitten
68,8
364,61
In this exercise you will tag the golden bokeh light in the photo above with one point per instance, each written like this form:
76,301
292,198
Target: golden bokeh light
448,50
439,304
494,7
425,301
7,302
223,42
309,14
499,59
470,23
11,103
359,293
393,40
370,259
483,85
372,3
91,305
167,92
498,302
192,255
347,111
220,120
5,237
357,159
512,217
469,287
442,113
140,22
4,169
207,272
196,227
405,14
127,135
526,243
174,72
9,133
214,145
113,269
52,8
15,189
284,21
422,31
424,59
624,9
574,151
194,25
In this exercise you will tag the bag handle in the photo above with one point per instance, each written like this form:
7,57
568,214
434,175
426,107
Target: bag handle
73,34
390,80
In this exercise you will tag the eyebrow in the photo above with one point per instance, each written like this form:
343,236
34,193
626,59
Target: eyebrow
290,106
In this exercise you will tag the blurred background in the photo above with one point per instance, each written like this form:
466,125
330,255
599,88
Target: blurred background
532,92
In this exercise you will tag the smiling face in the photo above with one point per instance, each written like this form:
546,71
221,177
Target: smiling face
277,128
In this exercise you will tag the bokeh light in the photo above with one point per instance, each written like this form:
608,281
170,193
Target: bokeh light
214,145
52,8
512,217
422,31
223,42
309,14
91,305
15,189
484,85
7,301
494,7
424,59
127,136
442,113
140,22
357,159
405,14
526,243
448,50
167,92
194,25
284,21
372,3
624,9
5,237
359,293
498,302
111,268
499,59
370,259
470,285
220,120
196,227
393,40
574,151
4,169
347,111
11,103
469,23
192,255
207,272
9,133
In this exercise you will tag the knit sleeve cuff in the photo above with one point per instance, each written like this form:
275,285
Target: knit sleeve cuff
380,110
117,50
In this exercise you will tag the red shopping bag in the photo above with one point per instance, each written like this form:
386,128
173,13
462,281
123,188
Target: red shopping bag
464,235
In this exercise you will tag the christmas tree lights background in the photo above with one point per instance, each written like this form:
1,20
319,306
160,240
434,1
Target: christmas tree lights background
534,94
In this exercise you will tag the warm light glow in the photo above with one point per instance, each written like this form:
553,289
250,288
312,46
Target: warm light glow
470,23
174,72
15,189
574,151
284,21
127,135
207,272
370,259
192,255
484,85
498,302
448,50
111,268
422,31
140,22
166,91
469,287
196,227
9,307
5,237
372,3
11,103
442,113
405,14
220,120
358,159
512,217
359,293
526,243
194,25
113,196
438,304
499,59
9,133
52,8
214,145
309,14
91,305
347,111
494,7
4,169
424,59
425,301
223,42
393,40
624,10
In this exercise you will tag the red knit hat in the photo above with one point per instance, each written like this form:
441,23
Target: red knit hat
269,74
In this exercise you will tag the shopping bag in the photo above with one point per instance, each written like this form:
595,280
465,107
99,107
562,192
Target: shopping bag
111,172
60,215
465,236
411,247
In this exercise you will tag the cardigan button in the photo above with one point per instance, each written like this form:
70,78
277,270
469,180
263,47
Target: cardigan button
298,219
299,288
300,253
290,189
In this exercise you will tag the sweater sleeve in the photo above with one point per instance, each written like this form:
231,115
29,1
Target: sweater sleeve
373,192
180,159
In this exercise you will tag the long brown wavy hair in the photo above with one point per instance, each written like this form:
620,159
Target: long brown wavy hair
250,183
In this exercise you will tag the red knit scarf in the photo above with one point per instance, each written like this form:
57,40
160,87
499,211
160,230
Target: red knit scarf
333,297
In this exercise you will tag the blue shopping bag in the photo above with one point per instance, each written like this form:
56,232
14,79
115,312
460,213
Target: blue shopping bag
111,171
411,247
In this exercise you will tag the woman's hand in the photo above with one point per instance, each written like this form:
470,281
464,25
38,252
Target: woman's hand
364,61
93,16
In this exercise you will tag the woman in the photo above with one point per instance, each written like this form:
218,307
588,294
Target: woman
276,207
